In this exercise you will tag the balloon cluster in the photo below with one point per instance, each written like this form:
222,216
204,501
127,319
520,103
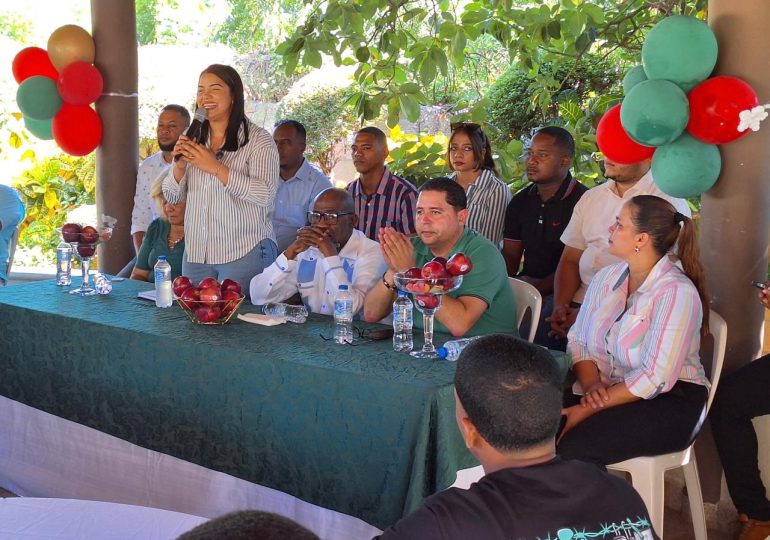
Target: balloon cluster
673,113
57,88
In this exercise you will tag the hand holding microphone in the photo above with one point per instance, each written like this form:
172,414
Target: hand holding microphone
193,132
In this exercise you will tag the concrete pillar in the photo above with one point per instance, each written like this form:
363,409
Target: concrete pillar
114,33
735,215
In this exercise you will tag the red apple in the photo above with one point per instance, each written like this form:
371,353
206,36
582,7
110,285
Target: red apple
70,232
208,283
207,313
230,299
230,285
190,297
211,295
433,269
86,250
180,284
413,273
427,301
441,260
89,235
458,264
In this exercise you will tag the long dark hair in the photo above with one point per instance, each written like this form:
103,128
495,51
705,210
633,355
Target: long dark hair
237,112
482,150
658,218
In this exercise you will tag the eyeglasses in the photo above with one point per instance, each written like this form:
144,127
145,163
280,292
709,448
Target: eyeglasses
330,218
361,337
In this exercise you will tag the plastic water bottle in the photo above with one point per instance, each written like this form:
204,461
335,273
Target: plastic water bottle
402,323
343,316
64,264
164,296
451,349
295,314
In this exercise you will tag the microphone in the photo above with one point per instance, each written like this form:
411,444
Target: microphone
196,126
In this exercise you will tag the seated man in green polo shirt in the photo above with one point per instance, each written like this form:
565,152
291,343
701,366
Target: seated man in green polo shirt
484,304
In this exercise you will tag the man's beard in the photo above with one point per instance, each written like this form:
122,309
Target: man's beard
166,147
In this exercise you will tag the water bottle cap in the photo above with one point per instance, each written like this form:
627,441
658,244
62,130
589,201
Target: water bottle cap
343,287
402,293
161,257
442,352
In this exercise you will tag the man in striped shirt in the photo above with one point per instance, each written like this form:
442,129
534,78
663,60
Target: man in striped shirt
381,198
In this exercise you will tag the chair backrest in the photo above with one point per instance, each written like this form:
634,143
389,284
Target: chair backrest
11,251
718,329
527,296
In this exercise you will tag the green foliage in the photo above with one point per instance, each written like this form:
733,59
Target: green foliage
15,27
255,24
263,77
146,21
514,97
328,119
397,43
418,158
49,190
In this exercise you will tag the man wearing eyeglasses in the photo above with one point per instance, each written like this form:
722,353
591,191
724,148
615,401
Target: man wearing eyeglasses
327,253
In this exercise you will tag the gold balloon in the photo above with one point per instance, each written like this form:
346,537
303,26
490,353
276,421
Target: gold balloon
70,43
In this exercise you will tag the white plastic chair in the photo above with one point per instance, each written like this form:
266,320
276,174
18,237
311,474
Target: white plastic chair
647,473
11,251
527,296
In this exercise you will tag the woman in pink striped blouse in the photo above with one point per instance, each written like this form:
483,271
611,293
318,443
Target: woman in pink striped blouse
640,388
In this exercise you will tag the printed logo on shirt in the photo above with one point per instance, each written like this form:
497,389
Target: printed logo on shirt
628,529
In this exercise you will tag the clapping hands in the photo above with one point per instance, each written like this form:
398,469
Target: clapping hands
397,249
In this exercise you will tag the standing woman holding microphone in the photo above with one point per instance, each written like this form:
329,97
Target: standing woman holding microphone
230,180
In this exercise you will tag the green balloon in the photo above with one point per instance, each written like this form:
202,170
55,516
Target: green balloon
38,98
39,128
687,167
634,76
680,49
655,112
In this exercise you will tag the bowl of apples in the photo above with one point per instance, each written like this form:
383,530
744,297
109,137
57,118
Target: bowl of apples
210,302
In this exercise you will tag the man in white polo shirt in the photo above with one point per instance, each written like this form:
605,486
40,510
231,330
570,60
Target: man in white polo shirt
586,238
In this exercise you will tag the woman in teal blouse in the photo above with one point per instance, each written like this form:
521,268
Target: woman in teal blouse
165,236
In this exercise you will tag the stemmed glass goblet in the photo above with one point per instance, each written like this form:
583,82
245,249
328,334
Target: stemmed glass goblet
84,246
427,294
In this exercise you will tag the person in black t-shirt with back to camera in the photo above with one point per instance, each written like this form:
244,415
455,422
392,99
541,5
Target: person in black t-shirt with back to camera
508,407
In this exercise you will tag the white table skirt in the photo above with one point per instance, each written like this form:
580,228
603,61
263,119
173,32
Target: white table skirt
42,455
69,519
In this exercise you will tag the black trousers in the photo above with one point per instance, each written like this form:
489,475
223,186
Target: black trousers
666,423
741,396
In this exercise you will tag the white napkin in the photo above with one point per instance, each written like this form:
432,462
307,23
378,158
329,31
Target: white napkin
258,318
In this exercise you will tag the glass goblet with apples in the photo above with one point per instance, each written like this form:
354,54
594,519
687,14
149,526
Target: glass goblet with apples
427,294
84,241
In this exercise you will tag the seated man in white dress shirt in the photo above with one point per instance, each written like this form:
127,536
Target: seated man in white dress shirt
326,254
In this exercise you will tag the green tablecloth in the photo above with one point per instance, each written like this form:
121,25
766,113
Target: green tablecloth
361,430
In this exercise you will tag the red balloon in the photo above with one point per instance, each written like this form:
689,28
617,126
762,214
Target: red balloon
33,61
80,83
77,129
715,105
615,143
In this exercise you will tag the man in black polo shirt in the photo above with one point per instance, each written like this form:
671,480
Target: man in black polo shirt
538,214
